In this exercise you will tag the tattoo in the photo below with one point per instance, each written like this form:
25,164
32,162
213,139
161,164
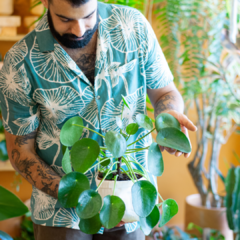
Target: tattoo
165,103
37,172
22,140
87,64
24,166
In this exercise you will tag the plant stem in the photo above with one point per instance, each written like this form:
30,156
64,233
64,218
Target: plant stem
137,150
89,130
96,164
160,197
142,137
103,148
129,168
130,177
115,181
119,166
105,176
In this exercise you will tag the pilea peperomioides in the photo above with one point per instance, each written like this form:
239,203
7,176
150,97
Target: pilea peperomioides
80,156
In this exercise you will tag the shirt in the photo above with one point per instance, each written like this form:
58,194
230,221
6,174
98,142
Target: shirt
41,87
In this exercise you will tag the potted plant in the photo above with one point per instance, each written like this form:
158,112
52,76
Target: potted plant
232,198
10,206
134,199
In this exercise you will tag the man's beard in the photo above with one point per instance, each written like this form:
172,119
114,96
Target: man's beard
66,39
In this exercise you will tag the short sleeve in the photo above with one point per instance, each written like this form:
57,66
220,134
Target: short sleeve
157,71
20,113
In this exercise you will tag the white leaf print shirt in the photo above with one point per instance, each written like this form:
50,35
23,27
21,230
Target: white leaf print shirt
41,87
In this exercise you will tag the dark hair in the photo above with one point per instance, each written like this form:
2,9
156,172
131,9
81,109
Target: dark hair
74,3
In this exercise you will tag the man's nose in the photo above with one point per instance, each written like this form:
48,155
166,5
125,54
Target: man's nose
78,29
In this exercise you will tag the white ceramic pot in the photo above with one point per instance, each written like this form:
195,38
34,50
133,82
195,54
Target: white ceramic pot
122,190
6,7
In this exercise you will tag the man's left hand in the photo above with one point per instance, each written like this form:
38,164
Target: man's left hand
186,125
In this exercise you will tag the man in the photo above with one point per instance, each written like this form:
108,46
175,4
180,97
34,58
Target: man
80,59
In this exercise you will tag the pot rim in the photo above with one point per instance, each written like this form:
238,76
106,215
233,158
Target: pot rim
190,199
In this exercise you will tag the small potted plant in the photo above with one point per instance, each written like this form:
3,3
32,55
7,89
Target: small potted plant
134,199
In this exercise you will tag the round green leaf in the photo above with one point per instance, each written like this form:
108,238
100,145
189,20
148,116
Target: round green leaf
84,153
132,128
144,197
169,209
90,225
115,143
105,163
155,160
125,102
112,211
144,121
70,188
10,205
119,122
69,133
148,223
89,204
66,162
173,138
165,120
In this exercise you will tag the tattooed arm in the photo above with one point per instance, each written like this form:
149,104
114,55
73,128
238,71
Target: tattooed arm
23,157
169,100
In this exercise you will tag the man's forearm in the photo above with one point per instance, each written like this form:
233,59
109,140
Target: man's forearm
31,166
170,101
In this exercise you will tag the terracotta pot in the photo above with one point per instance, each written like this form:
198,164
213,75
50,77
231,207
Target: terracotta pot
6,7
214,218
122,190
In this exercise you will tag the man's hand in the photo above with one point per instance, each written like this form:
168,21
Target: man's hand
186,125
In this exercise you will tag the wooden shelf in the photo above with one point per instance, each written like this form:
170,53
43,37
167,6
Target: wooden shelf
6,166
13,39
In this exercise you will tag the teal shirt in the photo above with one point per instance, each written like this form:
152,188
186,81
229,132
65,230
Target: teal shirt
41,87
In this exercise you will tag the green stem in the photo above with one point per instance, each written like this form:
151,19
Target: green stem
159,204
97,164
115,181
89,130
103,148
142,137
105,176
143,169
129,167
130,177
160,197
136,150
102,153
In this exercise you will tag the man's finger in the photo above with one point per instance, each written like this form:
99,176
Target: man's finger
178,154
170,150
186,122
161,148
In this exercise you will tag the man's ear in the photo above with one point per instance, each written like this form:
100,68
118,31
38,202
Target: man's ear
45,3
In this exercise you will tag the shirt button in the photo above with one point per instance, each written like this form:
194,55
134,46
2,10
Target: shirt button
98,97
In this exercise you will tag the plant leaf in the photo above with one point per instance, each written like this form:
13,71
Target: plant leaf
155,160
148,223
132,128
144,121
115,143
170,209
173,138
3,151
90,225
165,120
70,188
10,205
69,133
144,197
84,153
112,211
106,163
125,102
66,162
89,204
